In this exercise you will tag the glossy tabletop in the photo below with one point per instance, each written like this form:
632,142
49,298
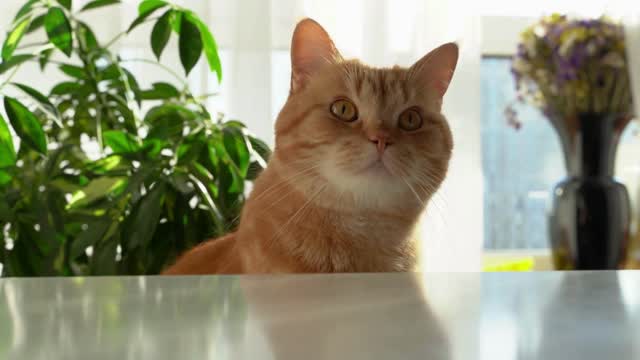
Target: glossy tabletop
374,316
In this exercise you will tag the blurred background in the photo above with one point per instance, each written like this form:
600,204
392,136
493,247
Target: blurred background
498,193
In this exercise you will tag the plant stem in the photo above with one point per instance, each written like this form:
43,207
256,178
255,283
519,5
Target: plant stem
26,46
128,91
123,33
206,96
89,67
167,69
115,39
50,61
8,79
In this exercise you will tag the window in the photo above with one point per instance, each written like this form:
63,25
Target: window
521,167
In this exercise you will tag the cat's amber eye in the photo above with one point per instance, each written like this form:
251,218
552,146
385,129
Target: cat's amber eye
410,120
344,110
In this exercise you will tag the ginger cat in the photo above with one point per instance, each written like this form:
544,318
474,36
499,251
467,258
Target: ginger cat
359,152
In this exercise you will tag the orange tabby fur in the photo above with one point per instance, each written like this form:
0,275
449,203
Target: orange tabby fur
340,196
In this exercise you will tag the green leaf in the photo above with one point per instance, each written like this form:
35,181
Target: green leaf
96,190
26,125
153,146
14,61
40,98
59,30
99,3
43,58
105,165
166,122
216,216
36,23
87,35
176,21
189,44
210,46
145,217
236,146
235,123
7,151
146,9
66,87
5,177
254,170
5,211
103,261
65,3
181,183
160,34
121,142
73,71
25,10
150,5
171,112
202,172
261,148
94,233
14,37
160,91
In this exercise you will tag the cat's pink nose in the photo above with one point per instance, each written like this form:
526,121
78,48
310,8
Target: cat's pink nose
381,141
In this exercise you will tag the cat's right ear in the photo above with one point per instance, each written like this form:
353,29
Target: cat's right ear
311,49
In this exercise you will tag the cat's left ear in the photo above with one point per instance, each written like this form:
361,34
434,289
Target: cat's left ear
436,68
311,49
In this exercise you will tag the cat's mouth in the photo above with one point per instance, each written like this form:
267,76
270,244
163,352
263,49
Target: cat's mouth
376,167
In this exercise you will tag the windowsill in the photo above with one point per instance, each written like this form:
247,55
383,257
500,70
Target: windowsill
541,257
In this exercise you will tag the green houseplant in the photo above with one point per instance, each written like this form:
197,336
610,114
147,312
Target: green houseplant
168,175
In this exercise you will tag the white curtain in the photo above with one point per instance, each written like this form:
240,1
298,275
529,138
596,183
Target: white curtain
632,27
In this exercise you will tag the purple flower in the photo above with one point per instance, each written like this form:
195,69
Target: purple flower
557,51
522,51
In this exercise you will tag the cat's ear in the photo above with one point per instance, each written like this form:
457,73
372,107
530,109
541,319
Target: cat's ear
436,68
311,48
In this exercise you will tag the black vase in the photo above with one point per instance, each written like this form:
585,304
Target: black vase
589,223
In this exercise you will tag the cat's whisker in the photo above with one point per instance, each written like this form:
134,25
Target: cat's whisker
414,191
281,197
438,201
427,184
434,183
438,208
296,214
286,181
273,188
402,174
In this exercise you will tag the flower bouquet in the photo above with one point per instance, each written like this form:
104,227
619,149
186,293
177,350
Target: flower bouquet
569,67
575,72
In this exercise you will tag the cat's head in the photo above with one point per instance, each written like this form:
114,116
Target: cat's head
375,134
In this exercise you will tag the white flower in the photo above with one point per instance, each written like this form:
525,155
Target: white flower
521,66
539,30
613,59
566,45
541,73
530,45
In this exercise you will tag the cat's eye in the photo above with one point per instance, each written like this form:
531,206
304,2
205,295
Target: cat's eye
410,120
344,110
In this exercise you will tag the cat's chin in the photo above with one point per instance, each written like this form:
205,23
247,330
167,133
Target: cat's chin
376,168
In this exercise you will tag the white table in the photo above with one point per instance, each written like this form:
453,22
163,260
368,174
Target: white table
372,316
